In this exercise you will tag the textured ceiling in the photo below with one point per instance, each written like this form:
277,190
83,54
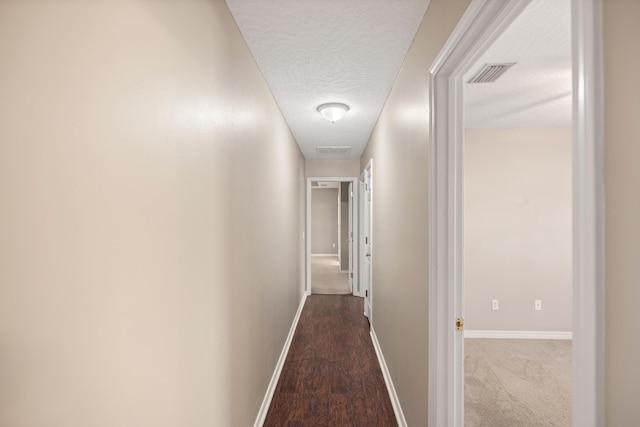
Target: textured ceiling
312,52
536,92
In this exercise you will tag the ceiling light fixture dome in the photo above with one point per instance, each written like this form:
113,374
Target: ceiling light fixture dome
333,111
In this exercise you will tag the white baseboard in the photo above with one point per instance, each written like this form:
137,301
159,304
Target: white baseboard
266,402
521,335
395,402
335,255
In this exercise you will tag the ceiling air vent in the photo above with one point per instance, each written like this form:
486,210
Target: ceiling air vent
336,150
490,72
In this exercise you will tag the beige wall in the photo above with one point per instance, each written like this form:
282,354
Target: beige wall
138,285
518,229
332,167
399,148
622,193
324,221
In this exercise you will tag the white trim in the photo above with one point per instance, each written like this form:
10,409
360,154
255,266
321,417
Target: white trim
361,245
395,402
271,388
339,238
325,255
324,188
353,179
307,258
367,178
588,214
520,335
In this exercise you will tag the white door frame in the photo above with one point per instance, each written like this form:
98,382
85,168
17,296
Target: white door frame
482,23
352,244
361,246
366,248
339,239
354,263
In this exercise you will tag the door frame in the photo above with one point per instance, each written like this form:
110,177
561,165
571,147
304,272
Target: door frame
353,262
366,289
481,24
352,233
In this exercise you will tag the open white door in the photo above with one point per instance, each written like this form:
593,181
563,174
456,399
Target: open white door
367,244
350,239
362,271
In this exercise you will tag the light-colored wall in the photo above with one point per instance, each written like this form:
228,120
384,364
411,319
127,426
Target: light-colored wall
622,230
138,281
332,167
518,229
344,226
399,148
324,221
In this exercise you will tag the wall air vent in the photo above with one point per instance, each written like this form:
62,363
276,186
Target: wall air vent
335,150
489,73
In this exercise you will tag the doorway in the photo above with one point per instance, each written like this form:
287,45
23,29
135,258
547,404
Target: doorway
366,238
331,250
480,26
517,224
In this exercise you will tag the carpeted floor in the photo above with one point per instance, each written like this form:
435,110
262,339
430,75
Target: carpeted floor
326,277
517,383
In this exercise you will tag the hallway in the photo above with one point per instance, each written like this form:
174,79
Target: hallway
331,376
155,241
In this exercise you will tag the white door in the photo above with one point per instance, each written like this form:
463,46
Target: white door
362,271
350,239
367,248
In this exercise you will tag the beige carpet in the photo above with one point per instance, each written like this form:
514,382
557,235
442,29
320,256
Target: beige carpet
326,278
517,383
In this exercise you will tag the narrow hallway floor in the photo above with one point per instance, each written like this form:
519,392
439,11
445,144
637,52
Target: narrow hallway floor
331,376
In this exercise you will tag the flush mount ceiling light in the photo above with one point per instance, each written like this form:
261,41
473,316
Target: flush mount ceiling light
333,111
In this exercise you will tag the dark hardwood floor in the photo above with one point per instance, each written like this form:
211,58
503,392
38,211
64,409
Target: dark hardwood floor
331,376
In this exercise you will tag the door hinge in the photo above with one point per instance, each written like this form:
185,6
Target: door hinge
459,324
366,293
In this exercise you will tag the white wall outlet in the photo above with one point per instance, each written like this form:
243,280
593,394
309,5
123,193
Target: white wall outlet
334,245
495,304
538,305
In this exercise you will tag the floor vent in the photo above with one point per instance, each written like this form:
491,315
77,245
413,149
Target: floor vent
490,72
341,150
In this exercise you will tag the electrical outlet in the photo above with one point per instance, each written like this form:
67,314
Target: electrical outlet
538,305
495,304
334,245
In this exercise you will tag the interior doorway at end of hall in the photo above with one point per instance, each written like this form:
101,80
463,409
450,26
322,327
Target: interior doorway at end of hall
331,227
